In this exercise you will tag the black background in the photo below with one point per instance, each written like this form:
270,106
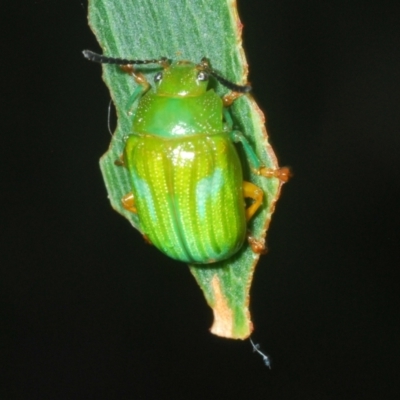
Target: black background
88,311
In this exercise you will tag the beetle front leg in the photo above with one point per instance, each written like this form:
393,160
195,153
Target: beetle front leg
227,101
141,80
229,98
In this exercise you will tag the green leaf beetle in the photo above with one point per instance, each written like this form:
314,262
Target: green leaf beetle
186,176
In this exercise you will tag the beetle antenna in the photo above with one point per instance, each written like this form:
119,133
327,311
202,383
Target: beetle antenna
256,348
230,85
99,58
227,83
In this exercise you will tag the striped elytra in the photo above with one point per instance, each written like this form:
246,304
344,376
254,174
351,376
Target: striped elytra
188,194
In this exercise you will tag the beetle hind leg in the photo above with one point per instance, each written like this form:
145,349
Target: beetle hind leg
251,191
128,202
257,245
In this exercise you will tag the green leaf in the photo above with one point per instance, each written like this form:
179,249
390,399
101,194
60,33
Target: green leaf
188,29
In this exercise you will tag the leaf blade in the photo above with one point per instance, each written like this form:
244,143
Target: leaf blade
143,29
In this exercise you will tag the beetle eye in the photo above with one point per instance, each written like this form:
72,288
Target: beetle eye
202,76
158,77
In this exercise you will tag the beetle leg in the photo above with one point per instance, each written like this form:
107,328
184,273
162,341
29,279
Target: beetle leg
128,202
251,191
228,118
229,98
227,101
141,80
120,162
283,173
251,155
257,245
147,240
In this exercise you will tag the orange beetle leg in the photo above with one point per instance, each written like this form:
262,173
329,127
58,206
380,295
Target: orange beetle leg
229,98
128,202
257,245
283,173
120,162
251,191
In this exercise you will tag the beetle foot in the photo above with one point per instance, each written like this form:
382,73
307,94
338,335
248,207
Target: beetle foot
257,245
120,162
147,240
282,174
128,202
229,98
139,78
255,193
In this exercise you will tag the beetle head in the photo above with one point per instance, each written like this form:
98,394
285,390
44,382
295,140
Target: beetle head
181,79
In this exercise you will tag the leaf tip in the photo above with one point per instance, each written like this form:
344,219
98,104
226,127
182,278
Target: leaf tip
223,315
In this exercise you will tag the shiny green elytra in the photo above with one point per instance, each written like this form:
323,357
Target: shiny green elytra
186,176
